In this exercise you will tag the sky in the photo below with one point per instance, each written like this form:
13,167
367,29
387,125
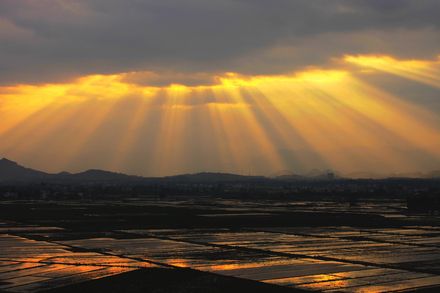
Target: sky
257,87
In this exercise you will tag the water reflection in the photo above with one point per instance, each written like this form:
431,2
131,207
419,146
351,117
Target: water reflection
322,258
29,265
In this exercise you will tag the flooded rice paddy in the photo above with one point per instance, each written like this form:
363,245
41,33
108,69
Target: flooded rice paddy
324,258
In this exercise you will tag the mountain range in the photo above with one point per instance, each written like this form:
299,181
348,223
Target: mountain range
11,171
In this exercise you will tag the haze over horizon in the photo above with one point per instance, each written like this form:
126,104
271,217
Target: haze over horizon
167,87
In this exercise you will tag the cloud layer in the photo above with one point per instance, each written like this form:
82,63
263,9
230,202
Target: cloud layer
46,41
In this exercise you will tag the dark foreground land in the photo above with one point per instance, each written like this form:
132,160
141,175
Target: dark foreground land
207,244
168,281
182,281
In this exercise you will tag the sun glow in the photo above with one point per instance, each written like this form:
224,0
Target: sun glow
312,118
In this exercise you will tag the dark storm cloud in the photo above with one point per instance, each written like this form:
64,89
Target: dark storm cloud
54,40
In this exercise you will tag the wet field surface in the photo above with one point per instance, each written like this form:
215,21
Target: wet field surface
27,265
395,256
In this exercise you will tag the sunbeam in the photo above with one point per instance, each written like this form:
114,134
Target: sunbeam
427,72
315,118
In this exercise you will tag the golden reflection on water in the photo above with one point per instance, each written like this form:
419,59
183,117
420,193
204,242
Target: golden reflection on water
178,262
235,266
328,284
303,279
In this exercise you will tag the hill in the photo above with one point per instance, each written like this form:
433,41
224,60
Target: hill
12,171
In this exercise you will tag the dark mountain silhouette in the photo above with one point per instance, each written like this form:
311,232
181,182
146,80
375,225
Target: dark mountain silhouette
314,174
289,177
286,175
99,175
11,171
212,177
